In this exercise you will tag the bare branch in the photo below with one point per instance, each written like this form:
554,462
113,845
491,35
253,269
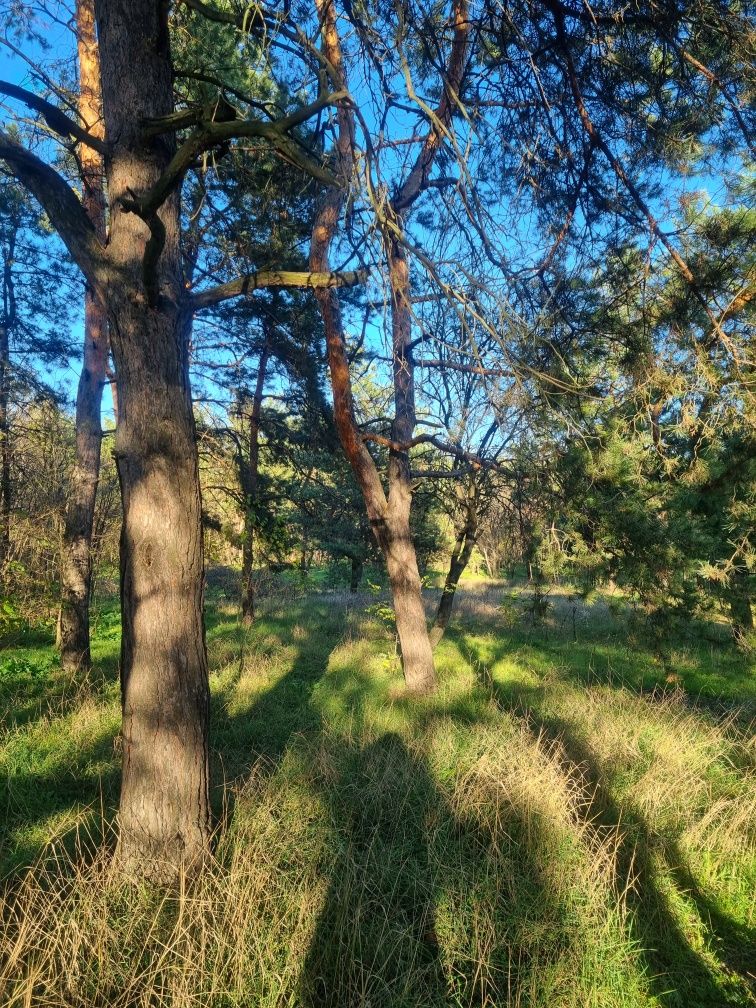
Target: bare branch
245,285
62,206
58,121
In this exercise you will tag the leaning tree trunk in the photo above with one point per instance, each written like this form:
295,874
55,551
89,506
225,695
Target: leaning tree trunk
463,547
164,818
76,552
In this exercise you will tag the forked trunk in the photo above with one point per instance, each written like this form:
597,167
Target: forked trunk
389,514
76,551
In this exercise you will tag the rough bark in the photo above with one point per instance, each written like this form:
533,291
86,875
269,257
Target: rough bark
164,818
250,487
76,551
389,516
401,558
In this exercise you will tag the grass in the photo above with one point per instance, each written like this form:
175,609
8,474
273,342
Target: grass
567,823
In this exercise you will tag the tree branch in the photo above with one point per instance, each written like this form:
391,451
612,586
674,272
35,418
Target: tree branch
58,121
245,285
62,206
211,133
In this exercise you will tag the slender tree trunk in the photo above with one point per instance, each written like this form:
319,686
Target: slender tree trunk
250,486
5,480
164,817
356,576
741,613
389,516
399,550
76,552
463,547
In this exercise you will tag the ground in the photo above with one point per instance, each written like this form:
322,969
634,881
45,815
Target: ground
569,822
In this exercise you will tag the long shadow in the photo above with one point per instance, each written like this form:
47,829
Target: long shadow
29,799
263,730
678,975
715,674
376,942
401,851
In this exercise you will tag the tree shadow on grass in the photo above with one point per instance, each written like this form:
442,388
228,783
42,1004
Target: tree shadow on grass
679,976
376,943
262,730
410,871
29,798
32,799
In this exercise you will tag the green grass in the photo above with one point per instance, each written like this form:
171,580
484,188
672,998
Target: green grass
567,823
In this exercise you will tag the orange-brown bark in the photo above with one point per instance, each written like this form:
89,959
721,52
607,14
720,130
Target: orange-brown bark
76,563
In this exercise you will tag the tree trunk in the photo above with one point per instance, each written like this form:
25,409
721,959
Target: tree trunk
356,577
250,485
5,480
399,550
76,552
741,613
463,547
389,516
164,818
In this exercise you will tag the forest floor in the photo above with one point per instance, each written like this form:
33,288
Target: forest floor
568,822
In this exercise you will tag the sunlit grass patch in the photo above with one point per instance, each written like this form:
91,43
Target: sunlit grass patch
528,836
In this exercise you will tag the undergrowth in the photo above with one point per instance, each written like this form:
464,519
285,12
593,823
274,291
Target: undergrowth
540,833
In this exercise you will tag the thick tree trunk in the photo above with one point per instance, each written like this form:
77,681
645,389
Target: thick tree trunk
250,484
164,818
76,552
164,809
